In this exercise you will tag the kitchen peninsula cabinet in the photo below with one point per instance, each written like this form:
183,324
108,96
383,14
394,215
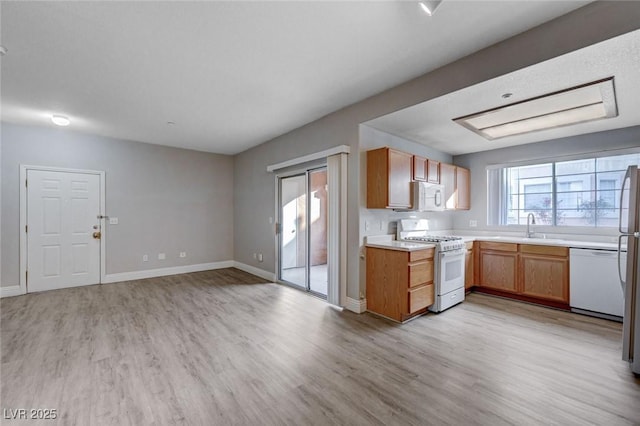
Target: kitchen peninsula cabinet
389,174
530,272
399,283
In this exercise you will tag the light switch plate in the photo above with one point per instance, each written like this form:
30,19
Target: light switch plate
113,221
161,256
473,223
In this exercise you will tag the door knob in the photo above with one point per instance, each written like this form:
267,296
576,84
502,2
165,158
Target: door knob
97,235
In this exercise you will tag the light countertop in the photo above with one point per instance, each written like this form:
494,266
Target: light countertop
388,242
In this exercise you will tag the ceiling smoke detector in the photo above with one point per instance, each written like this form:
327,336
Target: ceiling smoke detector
587,102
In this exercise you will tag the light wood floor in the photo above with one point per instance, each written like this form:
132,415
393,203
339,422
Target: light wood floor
220,348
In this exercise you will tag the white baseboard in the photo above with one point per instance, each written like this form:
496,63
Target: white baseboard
10,291
269,276
355,305
161,272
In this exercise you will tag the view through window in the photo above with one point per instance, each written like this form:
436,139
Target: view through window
583,192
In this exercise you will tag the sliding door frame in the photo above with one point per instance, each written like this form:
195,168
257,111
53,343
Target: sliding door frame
306,172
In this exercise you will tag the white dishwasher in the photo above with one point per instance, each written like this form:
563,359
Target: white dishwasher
594,284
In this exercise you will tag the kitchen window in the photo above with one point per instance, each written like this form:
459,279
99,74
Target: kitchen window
583,192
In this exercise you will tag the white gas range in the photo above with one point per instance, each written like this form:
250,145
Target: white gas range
448,261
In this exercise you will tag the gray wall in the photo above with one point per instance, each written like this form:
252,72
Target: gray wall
166,199
553,149
254,187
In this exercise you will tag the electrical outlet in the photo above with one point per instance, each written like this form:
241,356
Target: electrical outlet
473,223
183,254
161,256
113,221
259,257
367,225
145,258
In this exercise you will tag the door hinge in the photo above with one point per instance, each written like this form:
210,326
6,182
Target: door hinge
26,228
26,183
26,276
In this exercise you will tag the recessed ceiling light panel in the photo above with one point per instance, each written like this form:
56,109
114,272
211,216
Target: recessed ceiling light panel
60,120
587,102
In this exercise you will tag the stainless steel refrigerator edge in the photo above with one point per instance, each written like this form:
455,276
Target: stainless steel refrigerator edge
629,227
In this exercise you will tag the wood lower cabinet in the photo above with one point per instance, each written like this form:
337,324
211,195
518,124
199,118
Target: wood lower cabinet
399,283
499,266
536,273
544,273
389,173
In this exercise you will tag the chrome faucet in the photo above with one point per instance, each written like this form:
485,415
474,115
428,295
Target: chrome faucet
533,222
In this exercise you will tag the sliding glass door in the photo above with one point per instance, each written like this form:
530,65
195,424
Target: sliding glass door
302,236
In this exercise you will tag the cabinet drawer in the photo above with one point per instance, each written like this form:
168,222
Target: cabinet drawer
420,273
420,298
487,245
545,250
421,255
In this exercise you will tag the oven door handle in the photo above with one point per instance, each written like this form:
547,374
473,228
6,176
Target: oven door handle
453,253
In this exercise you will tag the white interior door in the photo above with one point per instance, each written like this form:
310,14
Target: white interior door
62,211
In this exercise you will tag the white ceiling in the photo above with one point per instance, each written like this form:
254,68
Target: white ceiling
430,123
231,75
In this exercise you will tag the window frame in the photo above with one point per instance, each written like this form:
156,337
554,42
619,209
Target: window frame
497,202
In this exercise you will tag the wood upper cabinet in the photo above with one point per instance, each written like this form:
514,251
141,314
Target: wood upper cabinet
419,168
457,184
535,271
499,266
389,174
463,186
399,283
426,170
433,171
544,272
448,179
